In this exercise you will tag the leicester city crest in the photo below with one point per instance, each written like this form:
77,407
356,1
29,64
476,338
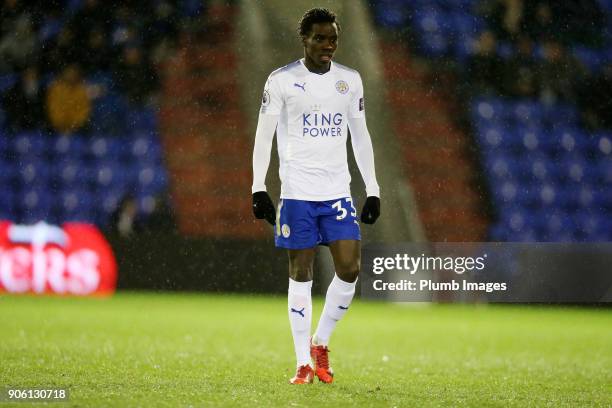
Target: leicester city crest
342,87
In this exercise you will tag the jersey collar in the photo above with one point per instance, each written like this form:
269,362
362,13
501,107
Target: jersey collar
331,67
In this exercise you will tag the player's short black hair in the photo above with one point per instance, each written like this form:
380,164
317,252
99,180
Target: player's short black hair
316,15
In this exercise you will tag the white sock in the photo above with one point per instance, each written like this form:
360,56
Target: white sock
337,301
300,317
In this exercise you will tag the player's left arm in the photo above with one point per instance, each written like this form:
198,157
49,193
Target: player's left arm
364,155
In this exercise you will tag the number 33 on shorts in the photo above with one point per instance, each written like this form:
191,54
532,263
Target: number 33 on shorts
306,224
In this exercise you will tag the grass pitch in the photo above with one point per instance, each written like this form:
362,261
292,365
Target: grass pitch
223,350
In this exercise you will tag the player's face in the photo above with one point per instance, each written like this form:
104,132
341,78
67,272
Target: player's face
321,43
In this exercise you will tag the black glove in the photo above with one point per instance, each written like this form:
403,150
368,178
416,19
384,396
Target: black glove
263,207
371,210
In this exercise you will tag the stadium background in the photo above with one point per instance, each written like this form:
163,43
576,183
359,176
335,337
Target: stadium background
150,139
490,122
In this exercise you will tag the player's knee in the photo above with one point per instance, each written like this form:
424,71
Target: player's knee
348,271
300,273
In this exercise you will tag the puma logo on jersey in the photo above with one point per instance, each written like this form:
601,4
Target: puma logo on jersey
300,312
300,86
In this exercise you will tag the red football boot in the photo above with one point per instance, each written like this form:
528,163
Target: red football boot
304,375
320,356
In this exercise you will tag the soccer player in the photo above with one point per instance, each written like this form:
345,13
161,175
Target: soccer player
310,103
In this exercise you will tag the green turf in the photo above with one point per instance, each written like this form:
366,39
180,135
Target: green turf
213,350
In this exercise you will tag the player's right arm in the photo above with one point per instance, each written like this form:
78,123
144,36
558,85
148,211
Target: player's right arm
271,103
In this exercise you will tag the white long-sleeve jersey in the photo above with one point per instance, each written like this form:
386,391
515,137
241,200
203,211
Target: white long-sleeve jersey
310,113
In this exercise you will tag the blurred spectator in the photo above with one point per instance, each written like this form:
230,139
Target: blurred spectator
571,22
93,13
160,216
520,71
96,53
68,102
61,52
50,23
123,220
485,67
135,76
162,30
558,73
505,17
540,23
156,216
9,13
585,20
124,29
24,102
595,99
18,45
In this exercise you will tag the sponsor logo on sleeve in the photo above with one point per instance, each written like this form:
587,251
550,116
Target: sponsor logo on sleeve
361,104
265,99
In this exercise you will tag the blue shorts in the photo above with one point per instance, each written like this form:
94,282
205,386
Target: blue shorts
306,224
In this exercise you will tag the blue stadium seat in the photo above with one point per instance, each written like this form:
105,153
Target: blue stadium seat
390,14
76,205
555,226
69,146
591,58
570,140
603,198
519,226
108,149
501,167
511,195
526,112
50,28
594,226
466,23
151,179
601,144
71,173
108,115
488,110
146,149
142,120
8,174
8,205
604,171
108,202
147,204
35,205
537,168
497,139
7,81
103,79
434,45
584,197
32,172
560,115
573,168
30,144
5,144
531,140
110,174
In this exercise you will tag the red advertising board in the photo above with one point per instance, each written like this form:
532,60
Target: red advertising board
74,259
